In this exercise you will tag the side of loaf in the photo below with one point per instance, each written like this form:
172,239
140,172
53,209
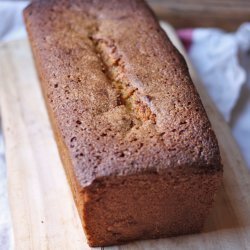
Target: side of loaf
136,144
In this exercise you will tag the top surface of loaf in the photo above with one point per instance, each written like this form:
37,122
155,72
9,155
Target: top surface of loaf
120,92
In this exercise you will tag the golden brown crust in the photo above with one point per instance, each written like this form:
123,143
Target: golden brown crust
122,103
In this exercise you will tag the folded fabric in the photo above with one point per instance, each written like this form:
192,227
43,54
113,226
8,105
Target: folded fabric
11,25
222,61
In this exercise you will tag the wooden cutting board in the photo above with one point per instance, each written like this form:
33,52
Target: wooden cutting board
43,212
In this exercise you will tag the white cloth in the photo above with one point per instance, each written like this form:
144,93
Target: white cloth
214,53
240,121
223,62
11,20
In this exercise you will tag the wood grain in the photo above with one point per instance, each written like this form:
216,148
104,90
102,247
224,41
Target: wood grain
43,212
42,209
226,14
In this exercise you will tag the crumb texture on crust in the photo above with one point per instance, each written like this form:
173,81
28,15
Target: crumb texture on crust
147,206
119,91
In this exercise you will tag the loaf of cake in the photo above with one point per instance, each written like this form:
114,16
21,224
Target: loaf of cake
136,144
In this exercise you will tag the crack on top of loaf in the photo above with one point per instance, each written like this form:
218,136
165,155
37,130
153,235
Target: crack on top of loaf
113,66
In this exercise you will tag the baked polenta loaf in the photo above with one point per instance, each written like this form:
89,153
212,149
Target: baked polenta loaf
137,146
